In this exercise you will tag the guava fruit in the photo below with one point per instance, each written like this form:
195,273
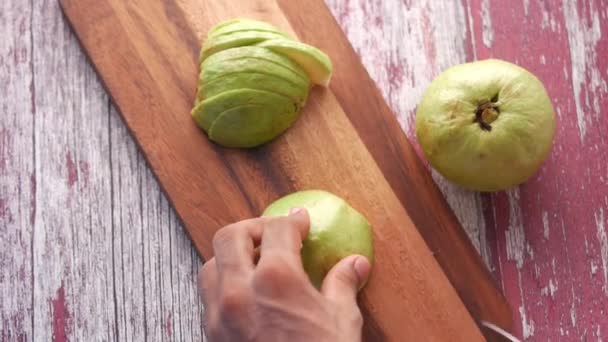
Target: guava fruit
253,80
314,61
247,25
486,125
236,39
241,22
258,53
211,71
337,230
231,66
211,108
251,125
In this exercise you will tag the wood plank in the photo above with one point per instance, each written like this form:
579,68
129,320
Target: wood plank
17,178
72,222
403,169
177,151
551,232
154,265
61,258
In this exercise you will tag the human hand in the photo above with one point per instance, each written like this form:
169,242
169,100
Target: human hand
273,300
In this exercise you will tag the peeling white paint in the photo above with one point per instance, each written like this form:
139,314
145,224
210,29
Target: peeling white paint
530,251
548,21
573,315
593,268
16,166
486,24
526,7
552,287
527,325
546,225
515,237
583,36
603,240
472,30
86,250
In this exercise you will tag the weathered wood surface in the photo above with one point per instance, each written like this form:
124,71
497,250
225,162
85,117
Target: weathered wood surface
150,72
82,219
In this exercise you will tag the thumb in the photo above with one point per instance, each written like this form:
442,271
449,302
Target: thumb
346,278
300,218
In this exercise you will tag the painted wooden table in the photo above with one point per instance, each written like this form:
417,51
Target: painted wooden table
90,249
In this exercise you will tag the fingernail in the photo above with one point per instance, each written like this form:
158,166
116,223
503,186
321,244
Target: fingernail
362,268
294,211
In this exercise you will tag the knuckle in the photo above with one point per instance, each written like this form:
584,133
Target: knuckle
223,236
233,302
274,270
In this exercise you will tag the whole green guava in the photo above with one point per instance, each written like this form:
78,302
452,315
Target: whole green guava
486,125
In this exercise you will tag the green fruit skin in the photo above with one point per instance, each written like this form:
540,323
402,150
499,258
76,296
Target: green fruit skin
337,230
241,22
247,26
241,38
251,125
257,53
520,138
210,109
253,80
316,63
212,71
232,66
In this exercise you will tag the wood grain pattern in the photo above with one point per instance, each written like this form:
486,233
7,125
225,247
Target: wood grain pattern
403,44
405,172
546,239
163,57
551,231
89,249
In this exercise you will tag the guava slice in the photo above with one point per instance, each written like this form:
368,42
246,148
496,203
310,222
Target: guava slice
248,25
253,80
241,38
207,111
241,21
252,125
255,52
212,71
314,61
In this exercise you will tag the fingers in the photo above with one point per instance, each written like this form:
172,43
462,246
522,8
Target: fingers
345,279
208,282
282,236
234,247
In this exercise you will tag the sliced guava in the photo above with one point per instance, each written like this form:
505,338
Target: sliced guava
253,80
314,61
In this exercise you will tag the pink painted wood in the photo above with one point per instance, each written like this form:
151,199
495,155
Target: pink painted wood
91,250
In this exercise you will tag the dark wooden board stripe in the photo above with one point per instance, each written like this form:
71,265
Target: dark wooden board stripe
405,172
146,53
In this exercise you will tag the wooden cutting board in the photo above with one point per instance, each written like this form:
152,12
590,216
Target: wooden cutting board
346,141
